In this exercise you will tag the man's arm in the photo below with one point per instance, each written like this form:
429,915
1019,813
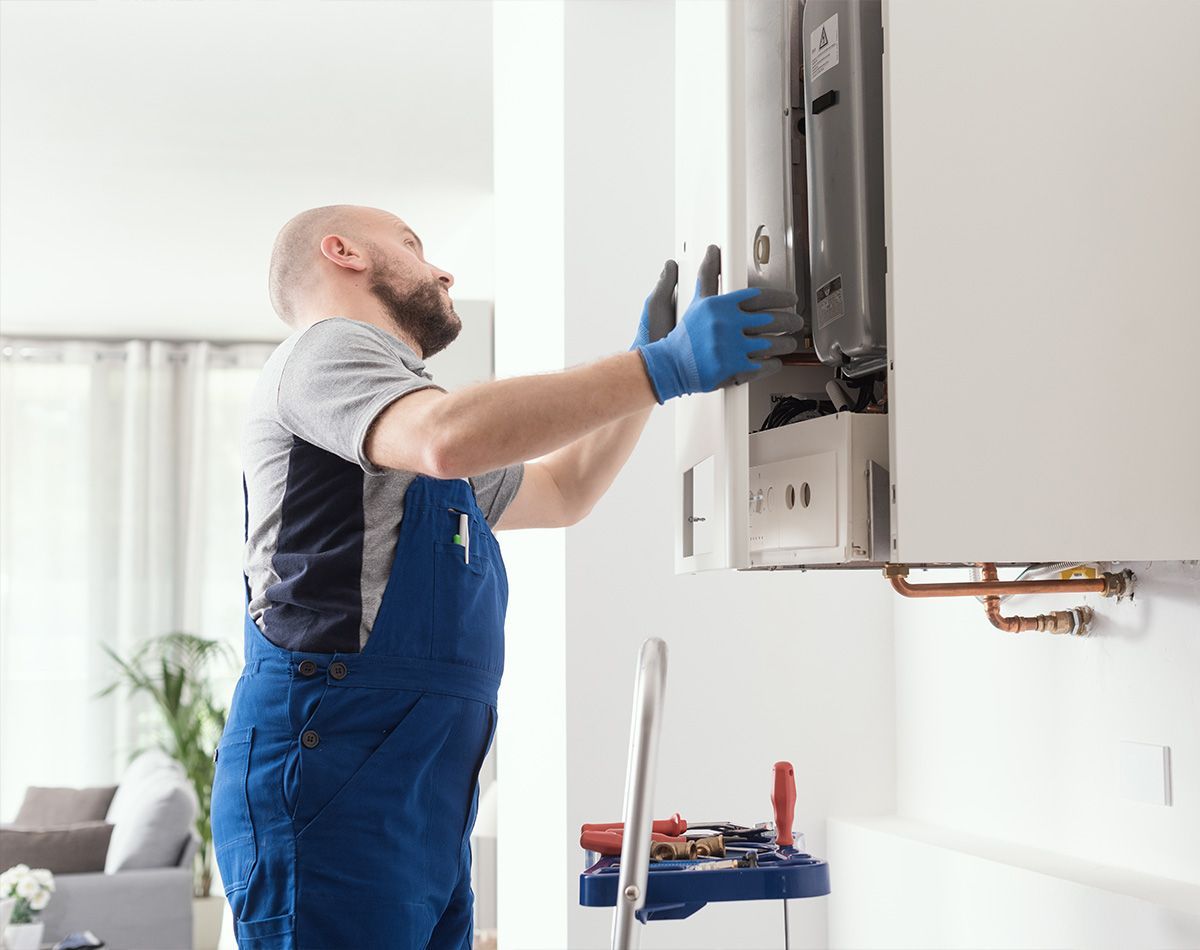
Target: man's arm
562,488
583,423
494,424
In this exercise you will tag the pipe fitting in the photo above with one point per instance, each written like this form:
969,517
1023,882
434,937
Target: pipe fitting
1075,622
1119,585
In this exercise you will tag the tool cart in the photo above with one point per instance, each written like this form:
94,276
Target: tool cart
693,863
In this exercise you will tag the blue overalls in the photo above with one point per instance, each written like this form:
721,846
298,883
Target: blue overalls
346,783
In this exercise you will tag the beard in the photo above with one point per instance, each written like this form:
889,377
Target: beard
424,313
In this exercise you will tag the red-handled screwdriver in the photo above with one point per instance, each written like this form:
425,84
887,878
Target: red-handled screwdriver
783,800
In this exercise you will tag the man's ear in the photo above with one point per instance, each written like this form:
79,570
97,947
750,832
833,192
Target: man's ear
337,249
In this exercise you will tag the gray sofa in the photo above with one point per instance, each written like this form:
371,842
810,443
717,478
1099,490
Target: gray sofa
149,909
142,900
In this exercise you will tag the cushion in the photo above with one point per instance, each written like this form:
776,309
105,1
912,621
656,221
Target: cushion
71,849
146,764
151,762
152,815
52,807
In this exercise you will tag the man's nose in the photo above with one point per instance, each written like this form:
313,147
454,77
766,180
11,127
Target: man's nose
444,276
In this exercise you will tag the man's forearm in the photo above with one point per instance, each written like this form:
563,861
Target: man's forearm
585,469
494,424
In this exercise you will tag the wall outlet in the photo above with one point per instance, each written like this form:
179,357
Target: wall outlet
1144,772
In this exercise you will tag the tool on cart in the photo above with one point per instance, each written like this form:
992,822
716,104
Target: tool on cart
749,861
675,825
609,842
783,800
605,838
741,863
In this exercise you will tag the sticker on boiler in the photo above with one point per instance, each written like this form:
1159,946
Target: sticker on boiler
831,302
823,48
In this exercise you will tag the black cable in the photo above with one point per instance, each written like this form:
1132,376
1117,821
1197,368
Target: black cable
865,386
791,409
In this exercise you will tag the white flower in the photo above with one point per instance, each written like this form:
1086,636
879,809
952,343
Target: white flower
44,878
27,886
40,900
9,879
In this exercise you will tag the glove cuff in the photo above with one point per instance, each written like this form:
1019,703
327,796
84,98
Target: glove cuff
667,377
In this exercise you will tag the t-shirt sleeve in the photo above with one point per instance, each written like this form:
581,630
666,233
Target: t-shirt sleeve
338,378
495,490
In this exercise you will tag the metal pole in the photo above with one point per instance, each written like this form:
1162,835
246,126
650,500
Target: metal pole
640,772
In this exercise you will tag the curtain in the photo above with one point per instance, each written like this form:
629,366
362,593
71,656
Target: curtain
120,519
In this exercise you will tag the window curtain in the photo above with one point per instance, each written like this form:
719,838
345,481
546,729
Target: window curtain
120,520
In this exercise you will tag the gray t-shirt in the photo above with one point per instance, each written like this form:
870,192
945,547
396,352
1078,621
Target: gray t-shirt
321,520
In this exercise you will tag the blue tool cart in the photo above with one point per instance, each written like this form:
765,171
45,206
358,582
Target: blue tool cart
758,868
676,889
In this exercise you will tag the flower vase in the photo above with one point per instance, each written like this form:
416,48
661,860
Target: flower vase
24,936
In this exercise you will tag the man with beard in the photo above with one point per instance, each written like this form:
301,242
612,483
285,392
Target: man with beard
345,784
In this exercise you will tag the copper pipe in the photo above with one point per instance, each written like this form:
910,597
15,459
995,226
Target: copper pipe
1107,584
1058,621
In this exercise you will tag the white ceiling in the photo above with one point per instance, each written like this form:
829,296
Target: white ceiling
149,152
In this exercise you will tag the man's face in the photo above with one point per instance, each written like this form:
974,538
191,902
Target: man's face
414,293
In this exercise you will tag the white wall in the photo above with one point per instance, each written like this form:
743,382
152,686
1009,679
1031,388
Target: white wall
1016,737
151,151
762,666
1008,787
530,246
921,886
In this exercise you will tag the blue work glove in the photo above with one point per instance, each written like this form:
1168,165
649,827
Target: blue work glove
658,312
722,338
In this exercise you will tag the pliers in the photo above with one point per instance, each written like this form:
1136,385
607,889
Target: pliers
605,838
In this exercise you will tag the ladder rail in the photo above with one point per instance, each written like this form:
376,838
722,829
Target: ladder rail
640,774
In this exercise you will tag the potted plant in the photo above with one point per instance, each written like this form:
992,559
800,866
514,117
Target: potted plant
176,672
32,890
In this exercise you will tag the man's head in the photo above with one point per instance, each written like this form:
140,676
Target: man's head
346,256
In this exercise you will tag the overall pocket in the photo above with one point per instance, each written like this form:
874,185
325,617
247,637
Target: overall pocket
232,826
468,608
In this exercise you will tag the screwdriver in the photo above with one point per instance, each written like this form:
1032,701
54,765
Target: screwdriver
783,800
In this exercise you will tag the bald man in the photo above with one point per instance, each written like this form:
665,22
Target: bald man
346,779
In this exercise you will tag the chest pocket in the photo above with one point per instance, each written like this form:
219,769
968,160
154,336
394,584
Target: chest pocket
469,601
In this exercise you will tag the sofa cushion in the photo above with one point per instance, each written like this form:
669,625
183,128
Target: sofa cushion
70,849
52,807
145,764
141,770
152,814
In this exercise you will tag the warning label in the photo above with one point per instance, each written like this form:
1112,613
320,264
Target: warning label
823,48
831,303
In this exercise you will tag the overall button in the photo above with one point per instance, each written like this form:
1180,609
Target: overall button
310,739
307,667
338,670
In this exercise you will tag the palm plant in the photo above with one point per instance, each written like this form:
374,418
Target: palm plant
175,671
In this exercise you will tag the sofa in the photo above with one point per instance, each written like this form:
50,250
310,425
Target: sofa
122,855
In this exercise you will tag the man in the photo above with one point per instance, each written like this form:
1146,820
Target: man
345,786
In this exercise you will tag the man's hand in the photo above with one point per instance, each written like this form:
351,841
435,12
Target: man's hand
722,338
658,312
